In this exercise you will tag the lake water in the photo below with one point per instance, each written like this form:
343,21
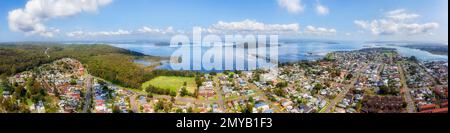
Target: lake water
288,52
420,54
144,62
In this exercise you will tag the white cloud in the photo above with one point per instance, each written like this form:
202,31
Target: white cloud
147,29
30,20
322,10
75,34
397,22
319,31
292,6
82,34
120,32
420,28
110,33
221,28
401,15
251,26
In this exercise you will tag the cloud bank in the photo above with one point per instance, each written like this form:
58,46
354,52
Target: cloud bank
220,28
319,31
397,22
31,19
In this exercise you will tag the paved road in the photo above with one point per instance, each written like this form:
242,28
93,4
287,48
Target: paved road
46,52
88,97
406,92
218,89
133,104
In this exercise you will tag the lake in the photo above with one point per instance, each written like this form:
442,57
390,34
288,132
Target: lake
288,52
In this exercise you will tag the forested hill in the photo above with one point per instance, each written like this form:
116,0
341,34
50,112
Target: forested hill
108,62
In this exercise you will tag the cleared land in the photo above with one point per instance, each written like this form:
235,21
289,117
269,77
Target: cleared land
172,83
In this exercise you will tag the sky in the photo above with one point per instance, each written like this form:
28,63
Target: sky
91,20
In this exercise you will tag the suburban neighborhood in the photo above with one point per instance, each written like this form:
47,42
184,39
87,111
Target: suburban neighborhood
373,80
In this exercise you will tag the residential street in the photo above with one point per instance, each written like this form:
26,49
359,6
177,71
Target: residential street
406,91
88,97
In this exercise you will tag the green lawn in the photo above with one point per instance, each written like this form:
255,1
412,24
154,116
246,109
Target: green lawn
172,83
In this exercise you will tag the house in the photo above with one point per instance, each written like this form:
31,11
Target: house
339,110
262,106
441,110
306,109
427,107
271,76
286,103
6,94
322,103
206,91
242,82
444,105
382,104
81,71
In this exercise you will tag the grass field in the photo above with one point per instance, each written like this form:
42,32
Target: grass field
172,83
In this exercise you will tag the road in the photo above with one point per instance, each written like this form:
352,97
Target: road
46,52
88,97
133,103
406,92
341,95
218,90
347,88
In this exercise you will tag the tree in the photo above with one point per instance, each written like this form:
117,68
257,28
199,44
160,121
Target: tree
349,76
179,110
195,93
198,81
238,72
226,72
56,92
279,92
150,95
159,106
248,108
172,99
404,105
385,90
4,86
318,87
413,59
73,82
269,82
173,93
213,73
19,92
190,110
251,100
116,109
231,75
282,84
184,92
256,77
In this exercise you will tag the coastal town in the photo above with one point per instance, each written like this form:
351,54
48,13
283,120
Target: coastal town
372,80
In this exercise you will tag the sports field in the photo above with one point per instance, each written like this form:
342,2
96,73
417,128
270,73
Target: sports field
172,83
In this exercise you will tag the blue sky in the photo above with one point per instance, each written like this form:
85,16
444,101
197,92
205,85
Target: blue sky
383,20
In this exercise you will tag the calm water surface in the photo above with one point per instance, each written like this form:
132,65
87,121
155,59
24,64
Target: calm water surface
288,52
